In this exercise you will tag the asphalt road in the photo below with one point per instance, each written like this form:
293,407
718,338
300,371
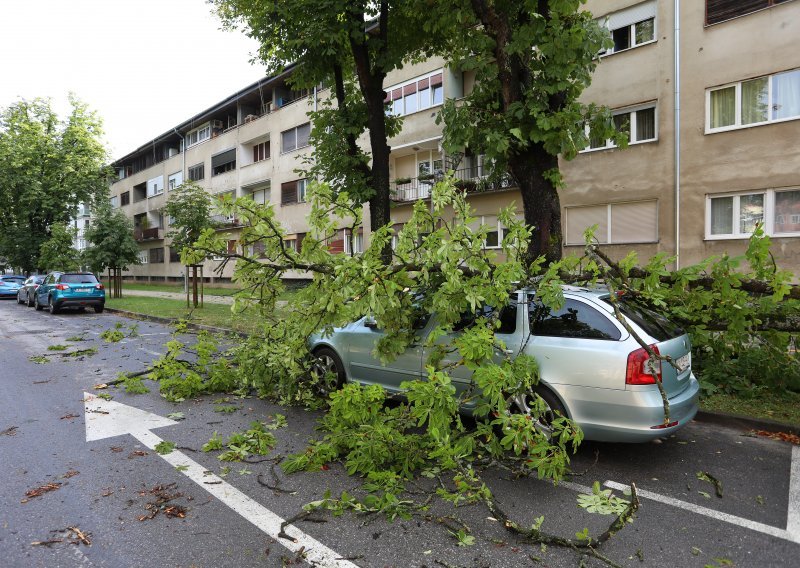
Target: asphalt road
103,487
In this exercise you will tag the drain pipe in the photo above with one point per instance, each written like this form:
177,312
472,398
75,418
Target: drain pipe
677,114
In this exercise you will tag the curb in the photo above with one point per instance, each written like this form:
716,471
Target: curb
160,319
739,422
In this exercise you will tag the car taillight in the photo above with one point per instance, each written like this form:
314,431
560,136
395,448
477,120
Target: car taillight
62,287
640,368
99,286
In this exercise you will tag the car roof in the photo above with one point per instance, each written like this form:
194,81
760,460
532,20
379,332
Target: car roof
596,292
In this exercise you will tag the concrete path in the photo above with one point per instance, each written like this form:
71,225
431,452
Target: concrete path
211,299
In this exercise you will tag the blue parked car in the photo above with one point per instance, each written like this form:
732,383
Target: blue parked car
10,284
28,289
70,290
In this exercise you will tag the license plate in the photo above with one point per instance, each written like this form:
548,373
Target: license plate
684,362
82,290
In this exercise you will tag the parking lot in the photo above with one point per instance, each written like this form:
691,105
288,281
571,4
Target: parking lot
682,520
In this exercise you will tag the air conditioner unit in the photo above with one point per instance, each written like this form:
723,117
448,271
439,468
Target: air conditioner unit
216,124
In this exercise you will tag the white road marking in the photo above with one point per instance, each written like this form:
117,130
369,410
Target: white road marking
793,518
785,534
150,352
105,419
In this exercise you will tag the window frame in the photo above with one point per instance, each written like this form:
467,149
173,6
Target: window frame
295,130
433,98
198,135
631,28
633,111
770,4
769,213
737,125
201,166
609,225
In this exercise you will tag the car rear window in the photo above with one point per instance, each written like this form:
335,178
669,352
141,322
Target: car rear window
13,279
653,323
78,279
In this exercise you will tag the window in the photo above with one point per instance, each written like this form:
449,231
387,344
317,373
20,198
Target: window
633,26
293,192
721,10
639,124
174,180
114,202
353,243
125,198
260,151
260,196
144,257
156,255
575,319
197,172
295,138
198,135
736,215
617,223
155,186
259,249
754,101
223,162
418,94
174,255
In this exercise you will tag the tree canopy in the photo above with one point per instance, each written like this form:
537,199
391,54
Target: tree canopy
189,208
59,252
48,166
111,242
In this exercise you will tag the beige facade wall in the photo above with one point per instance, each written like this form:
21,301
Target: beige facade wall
637,186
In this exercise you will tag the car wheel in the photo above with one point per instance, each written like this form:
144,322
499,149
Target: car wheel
98,309
553,408
30,301
329,367
20,300
51,306
39,307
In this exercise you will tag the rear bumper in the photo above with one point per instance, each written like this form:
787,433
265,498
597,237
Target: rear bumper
629,416
79,302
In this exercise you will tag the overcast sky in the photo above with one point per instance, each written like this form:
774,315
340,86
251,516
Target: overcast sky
143,65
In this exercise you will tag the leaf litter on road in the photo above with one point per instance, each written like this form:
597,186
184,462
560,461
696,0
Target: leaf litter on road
41,490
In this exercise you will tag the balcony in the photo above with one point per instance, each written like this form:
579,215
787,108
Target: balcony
470,179
225,222
150,234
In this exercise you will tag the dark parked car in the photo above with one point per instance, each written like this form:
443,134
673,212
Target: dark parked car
9,284
25,294
592,370
70,290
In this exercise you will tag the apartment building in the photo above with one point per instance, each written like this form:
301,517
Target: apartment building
709,92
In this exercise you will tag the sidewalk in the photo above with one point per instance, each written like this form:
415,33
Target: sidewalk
208,298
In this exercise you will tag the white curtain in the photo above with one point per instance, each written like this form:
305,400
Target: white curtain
786,94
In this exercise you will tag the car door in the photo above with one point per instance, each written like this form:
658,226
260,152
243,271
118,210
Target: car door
367,369
44,289
510,332
577,345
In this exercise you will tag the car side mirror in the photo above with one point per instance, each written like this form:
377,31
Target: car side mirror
370,322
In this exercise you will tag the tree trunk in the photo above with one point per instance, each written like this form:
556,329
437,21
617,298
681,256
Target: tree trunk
540,201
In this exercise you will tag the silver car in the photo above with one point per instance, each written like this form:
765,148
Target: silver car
592,370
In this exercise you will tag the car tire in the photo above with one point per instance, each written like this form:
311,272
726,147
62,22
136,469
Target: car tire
554,408
19,300
39,307
99,309
328,364
30,302
51,307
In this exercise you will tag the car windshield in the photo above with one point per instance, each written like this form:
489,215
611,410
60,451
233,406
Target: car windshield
78,279
654,324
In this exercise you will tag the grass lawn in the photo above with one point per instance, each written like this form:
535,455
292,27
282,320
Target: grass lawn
177,288
218,315
781,407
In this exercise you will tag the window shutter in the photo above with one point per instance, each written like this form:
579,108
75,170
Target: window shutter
409,89
303,132
436,80
223,158
423,83
638,13
288,192
300,237
336,244
721,10
580,218
634,222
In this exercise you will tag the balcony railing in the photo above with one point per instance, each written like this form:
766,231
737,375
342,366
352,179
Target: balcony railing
225,222
149,234
469,179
